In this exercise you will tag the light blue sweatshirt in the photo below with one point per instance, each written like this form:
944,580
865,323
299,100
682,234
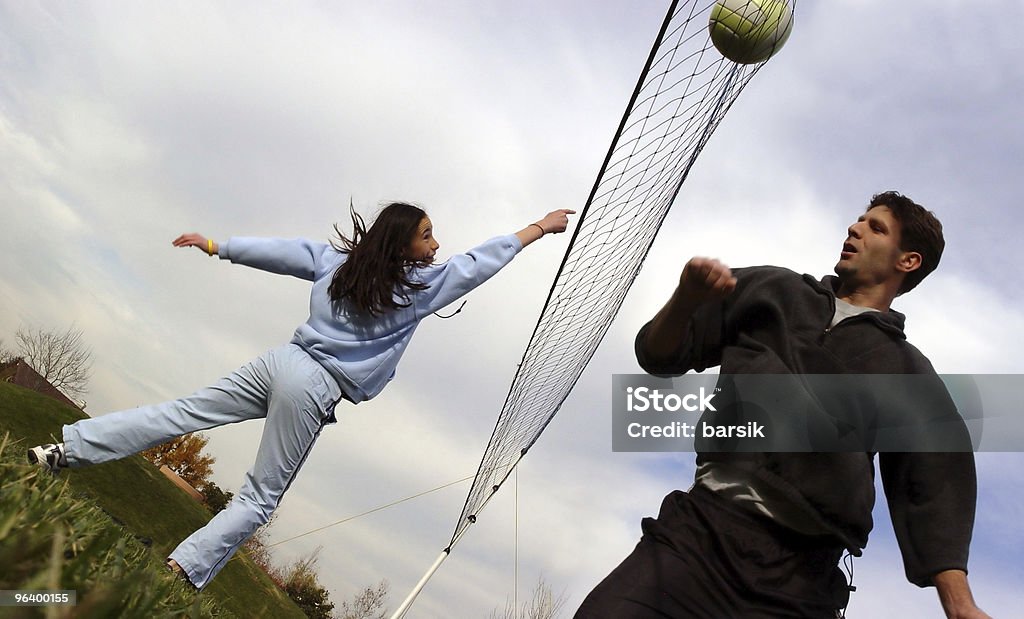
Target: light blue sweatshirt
361,351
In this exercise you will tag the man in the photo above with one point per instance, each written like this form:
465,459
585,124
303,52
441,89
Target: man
761,535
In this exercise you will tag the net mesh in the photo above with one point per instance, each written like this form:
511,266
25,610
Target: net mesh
685,89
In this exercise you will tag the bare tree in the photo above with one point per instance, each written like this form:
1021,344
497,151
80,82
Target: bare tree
542,605
62,358
367,604
259,551
6,354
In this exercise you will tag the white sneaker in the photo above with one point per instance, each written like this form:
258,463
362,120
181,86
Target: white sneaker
51,457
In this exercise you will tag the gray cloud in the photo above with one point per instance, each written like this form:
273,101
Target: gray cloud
123,124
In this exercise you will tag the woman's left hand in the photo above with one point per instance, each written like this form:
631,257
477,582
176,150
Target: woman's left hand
556,221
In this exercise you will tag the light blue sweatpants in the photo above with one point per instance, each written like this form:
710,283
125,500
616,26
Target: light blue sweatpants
289,388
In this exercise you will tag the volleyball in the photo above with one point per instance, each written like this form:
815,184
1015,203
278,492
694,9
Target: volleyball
750,31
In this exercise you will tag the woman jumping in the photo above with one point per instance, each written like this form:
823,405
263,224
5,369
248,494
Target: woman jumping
369,294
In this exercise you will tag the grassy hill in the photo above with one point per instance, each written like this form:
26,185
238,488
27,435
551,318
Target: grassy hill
122,517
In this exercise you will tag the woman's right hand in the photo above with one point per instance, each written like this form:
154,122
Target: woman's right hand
194,239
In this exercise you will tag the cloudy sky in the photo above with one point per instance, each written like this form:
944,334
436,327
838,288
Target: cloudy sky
123,124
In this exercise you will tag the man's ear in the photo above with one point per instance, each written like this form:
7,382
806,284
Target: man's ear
909,261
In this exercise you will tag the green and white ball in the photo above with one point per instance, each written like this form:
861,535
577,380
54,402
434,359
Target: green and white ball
750,31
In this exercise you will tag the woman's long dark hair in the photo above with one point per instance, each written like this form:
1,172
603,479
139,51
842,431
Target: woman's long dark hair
377,268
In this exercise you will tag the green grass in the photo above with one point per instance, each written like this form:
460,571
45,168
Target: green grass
136,516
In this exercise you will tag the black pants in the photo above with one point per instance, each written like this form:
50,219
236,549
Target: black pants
705,558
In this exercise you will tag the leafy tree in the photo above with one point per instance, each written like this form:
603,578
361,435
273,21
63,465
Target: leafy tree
184,455
62,358
303,586
300,581
215,498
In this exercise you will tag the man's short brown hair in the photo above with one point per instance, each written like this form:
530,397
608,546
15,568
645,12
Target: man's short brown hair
920,231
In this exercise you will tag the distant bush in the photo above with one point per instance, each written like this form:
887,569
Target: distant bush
303,586
299,579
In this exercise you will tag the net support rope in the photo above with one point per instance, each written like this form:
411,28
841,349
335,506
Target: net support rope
685,89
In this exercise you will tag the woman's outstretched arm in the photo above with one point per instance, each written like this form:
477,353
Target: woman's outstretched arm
194,239
296,257
553,223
